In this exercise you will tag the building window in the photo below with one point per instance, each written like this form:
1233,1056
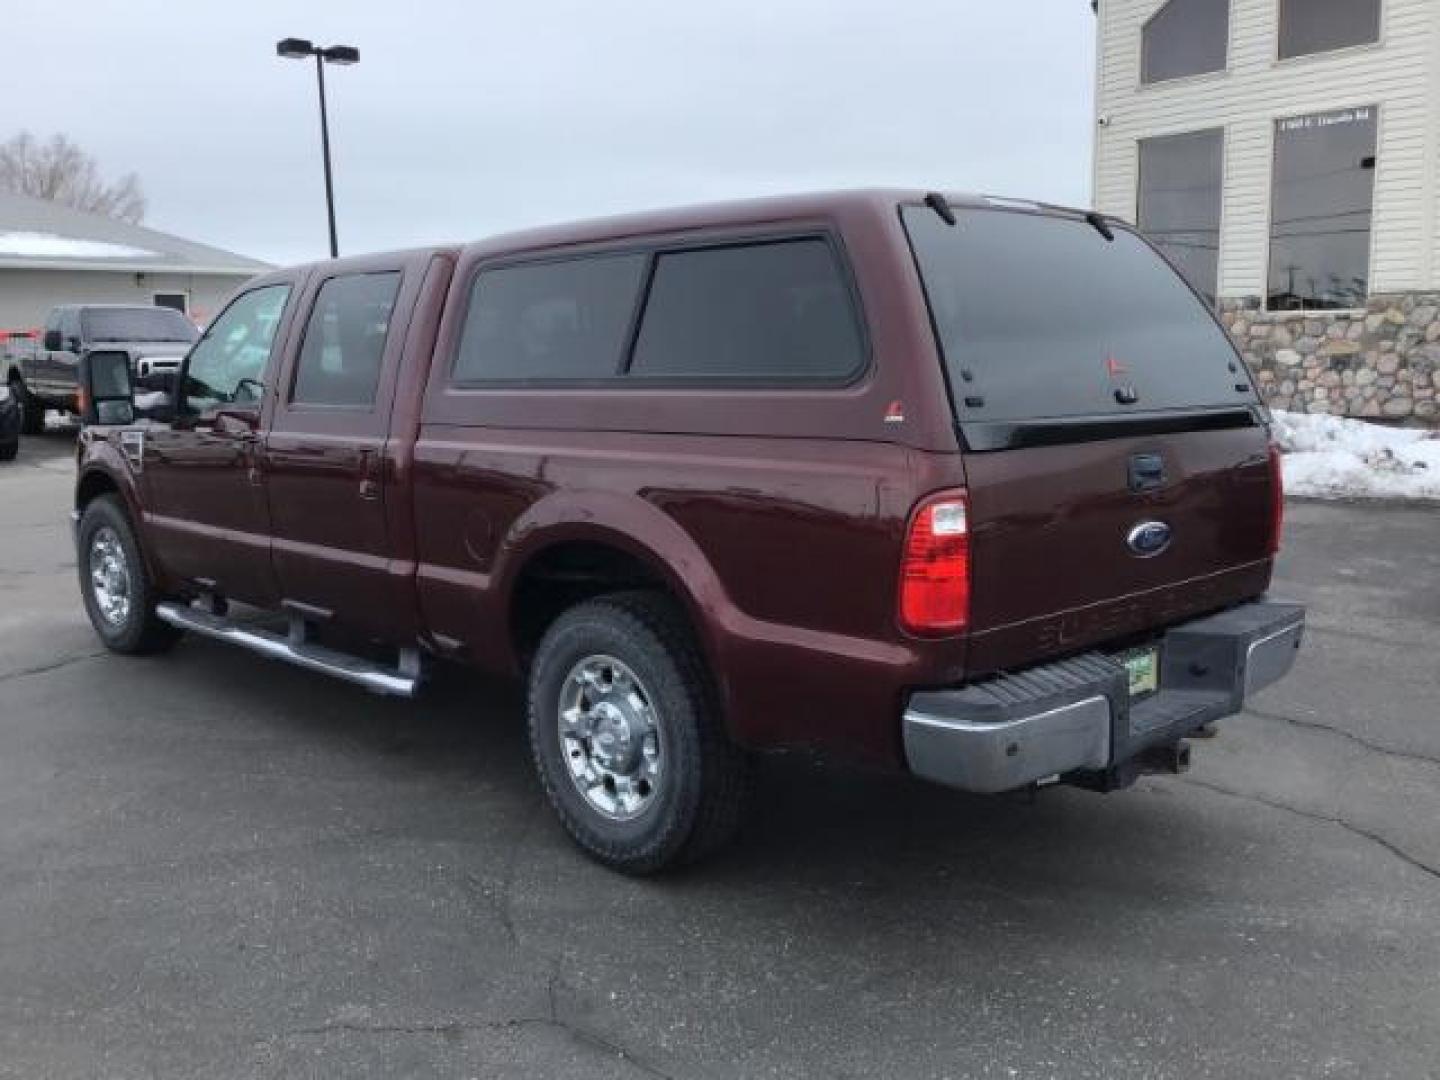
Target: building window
1185,37
178,300
1320,207
1314,26
1179,202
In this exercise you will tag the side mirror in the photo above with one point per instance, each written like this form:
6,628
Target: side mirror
107,395
72,344
52,341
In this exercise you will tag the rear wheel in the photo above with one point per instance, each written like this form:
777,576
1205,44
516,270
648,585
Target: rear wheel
9,450
627,737
119,597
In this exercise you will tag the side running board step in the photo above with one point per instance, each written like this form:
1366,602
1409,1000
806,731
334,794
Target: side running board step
400,681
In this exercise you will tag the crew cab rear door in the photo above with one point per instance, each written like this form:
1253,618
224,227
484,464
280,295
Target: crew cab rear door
1116,456
328,472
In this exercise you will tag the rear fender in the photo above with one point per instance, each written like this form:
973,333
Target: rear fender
639,529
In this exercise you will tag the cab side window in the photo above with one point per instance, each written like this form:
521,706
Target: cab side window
228,363
345,341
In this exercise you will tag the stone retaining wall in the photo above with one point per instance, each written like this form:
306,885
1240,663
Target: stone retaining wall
1383,361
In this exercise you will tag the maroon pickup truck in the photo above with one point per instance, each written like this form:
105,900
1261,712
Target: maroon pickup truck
971,487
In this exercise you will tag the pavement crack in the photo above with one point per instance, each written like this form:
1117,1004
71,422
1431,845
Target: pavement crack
450,1028
54,665
454,1029
1328,819
1359,740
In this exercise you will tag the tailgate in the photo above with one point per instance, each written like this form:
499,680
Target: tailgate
1056,568
1115,450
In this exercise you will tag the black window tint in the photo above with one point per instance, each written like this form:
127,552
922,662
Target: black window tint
1320,210
345,340
566,319
775,310
1185,37
1179,202
1312,26
1050,319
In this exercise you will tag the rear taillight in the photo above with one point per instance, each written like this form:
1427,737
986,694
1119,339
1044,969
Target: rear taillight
935,568
1277,499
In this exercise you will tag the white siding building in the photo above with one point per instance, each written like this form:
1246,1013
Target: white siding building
51,254
1286,155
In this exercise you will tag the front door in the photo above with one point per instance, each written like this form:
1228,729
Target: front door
206,517
326,463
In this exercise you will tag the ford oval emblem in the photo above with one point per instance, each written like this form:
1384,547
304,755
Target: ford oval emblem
1148,539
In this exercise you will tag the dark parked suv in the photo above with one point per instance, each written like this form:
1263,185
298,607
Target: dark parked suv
969,487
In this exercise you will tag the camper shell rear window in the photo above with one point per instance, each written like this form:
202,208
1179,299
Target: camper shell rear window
1040,317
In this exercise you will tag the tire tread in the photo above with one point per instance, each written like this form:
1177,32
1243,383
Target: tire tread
725,778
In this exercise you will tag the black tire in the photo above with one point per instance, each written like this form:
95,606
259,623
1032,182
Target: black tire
137,631
32,411
699,795
9,450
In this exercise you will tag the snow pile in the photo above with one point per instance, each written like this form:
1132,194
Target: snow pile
37,245
1331,457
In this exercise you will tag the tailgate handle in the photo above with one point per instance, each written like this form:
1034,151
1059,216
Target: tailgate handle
1146,471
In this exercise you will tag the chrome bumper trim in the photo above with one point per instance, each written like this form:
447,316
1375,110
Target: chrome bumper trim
1270,658
988,758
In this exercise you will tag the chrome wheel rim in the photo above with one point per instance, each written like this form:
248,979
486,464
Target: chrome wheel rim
109,576
610,738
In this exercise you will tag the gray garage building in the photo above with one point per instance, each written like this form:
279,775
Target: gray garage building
51,254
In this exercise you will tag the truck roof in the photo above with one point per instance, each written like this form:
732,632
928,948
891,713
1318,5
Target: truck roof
730,213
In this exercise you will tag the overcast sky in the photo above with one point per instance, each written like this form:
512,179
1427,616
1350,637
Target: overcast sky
468,118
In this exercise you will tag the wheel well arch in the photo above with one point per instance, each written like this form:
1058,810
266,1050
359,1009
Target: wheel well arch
92,485
571,571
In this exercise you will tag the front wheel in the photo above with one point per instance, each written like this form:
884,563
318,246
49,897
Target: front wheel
627,736
119,597
32,410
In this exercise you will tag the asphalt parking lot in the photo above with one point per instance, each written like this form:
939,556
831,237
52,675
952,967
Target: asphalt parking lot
214,865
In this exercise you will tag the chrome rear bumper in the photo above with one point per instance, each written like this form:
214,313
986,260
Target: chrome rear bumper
1075,716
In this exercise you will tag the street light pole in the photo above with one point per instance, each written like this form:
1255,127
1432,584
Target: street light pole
299,49
325,152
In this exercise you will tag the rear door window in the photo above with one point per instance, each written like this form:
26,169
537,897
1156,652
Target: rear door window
563,319
345,341
778,310
1040,316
